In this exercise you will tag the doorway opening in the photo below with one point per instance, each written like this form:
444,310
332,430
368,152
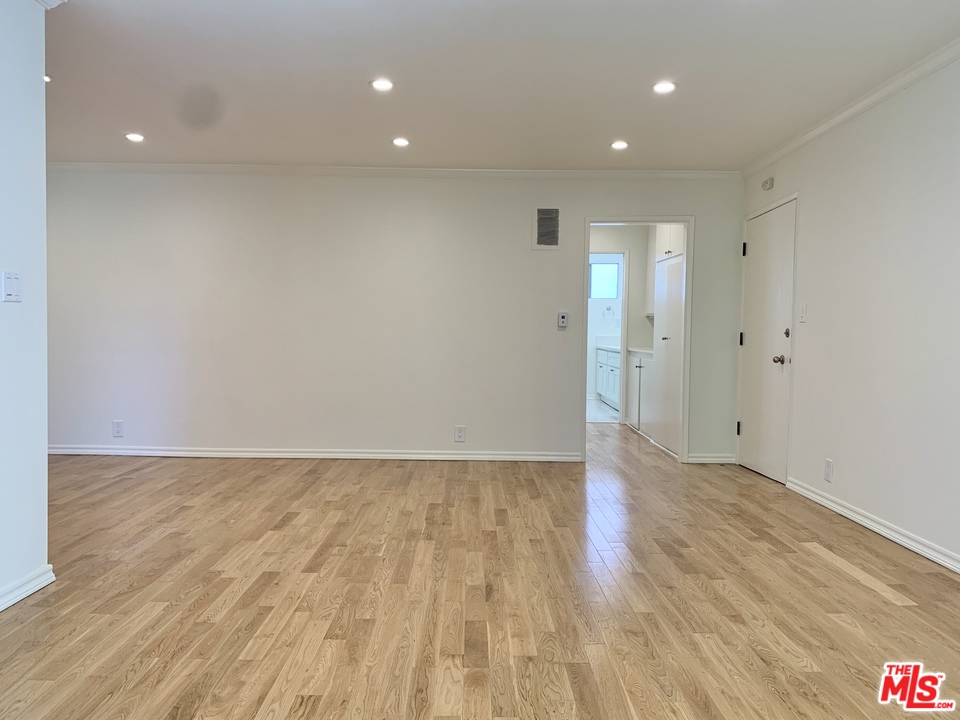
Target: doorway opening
637,323
605,283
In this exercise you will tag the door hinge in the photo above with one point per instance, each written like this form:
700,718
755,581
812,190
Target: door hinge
738,428
741,339
744,249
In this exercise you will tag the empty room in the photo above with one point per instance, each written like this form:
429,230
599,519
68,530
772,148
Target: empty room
488,360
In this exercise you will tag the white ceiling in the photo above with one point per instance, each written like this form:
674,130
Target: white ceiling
513,84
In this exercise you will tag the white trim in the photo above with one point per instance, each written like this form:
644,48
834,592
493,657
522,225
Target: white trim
379,172
624,331
49,5
17,591
713,459
689,255
584,334
923,69
927,549
495,456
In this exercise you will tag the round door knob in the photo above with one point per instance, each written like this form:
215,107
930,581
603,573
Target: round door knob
780,359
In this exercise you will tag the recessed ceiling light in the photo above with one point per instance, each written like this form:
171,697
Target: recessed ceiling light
382,84
664,87
134,137
619,145
401,142
47,78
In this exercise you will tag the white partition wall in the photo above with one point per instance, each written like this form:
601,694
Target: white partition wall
353,313
23,325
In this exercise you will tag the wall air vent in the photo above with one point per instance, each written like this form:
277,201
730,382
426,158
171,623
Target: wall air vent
547,234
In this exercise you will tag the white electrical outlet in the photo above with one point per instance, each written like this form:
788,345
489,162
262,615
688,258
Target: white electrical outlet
459,433
118,428
828,470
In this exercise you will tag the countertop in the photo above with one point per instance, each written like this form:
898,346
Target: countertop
637,350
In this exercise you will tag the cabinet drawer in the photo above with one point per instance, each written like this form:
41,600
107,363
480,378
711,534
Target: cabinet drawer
613,359
602,356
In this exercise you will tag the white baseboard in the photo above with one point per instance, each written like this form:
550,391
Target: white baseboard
495,456
939,555
713,459
17,591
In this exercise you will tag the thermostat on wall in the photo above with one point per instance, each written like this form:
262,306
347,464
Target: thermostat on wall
11,287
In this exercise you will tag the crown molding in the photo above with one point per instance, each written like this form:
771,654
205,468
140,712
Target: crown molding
923,69
50,4
380,172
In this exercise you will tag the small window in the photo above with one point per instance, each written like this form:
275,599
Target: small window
604,281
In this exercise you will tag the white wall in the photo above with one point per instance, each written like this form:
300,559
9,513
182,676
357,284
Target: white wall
878,249
23,352
353,313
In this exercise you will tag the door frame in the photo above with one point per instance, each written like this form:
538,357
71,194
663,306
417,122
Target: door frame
794,197
688,262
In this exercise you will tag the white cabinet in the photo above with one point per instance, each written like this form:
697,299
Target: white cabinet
632,395
651,273
649,410
608,377
673,356
671,241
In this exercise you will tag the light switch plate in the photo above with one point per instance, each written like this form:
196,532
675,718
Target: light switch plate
562,320
11,287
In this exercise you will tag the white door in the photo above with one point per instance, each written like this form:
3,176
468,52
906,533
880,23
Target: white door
765,358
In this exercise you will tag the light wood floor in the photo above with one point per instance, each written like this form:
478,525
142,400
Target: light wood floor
629,588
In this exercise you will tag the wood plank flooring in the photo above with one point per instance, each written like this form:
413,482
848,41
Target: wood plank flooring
628,588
